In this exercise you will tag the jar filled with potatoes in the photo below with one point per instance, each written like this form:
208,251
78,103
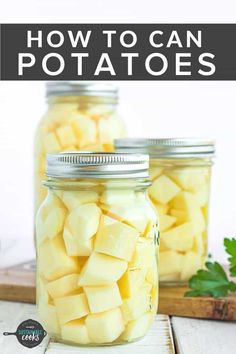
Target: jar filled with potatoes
180,170
80,116
97,243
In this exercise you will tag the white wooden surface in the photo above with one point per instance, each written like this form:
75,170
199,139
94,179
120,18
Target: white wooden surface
194,336
158,340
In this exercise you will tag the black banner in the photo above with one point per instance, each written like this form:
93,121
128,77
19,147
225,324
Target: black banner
118,52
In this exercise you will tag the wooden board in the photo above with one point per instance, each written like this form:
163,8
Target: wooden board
158,339
18,284
173,302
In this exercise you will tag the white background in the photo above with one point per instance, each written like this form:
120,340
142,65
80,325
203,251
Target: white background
200,109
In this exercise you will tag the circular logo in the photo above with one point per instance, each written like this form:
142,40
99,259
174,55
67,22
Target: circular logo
29,333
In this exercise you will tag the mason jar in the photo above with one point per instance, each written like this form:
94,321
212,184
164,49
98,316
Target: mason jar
97,246
180,170
80,116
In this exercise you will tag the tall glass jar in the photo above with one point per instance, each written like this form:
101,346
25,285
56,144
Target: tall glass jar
80,116
180,170
97,246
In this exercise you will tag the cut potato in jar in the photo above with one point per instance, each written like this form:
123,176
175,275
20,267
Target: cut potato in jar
131,282
179,238
83,221
63,286
166,221
54,222
73,199
137,328
84,129
170,262
101,269
191,263
48,316
163,189
53,262
103,298
51,143
66,136
161,208
115,239
131,214
75,332
144,254
71,307
135,306
105,327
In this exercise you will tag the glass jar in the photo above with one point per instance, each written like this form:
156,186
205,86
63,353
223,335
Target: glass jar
180,170
97,246
80,116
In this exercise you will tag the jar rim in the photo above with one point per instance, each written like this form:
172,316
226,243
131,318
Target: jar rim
77,164
167,147
81,88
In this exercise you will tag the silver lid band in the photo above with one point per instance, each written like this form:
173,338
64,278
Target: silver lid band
81,88
167,147
97,165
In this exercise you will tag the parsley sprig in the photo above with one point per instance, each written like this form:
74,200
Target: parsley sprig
213,281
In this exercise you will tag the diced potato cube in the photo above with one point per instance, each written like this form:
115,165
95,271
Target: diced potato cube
170,262
191,263
166,221
135,306
81,225
180,215
155,172
198,244
51,143
53,261
54,222
188,179
131,282
76,246
130,214
137,328
72,199
115,197
85,130
103,298
161,208
163,189
109,129
63,286
115,238
83,221
66,136
105,327
202,194
187,202
152,275
48,316
42,294
101,269
179,238
71,307
144,254
75,332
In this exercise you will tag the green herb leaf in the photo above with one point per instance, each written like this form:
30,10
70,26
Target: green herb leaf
230,247
211,282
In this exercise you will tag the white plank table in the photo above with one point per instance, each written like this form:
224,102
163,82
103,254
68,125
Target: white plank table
191,336
158,341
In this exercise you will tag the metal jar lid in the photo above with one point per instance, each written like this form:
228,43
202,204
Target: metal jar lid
81,88
97,165
167,147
